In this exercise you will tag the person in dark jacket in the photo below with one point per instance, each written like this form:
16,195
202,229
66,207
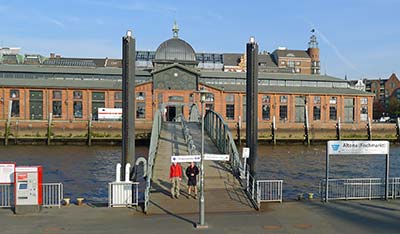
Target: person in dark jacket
191,172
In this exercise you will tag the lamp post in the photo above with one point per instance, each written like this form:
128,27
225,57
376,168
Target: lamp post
203,93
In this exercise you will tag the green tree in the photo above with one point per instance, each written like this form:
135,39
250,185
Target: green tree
394,106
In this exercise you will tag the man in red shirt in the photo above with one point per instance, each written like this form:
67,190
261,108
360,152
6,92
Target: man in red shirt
175,175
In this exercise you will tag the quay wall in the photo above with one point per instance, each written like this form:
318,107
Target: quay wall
105,132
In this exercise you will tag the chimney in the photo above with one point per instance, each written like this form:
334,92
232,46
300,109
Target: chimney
52,55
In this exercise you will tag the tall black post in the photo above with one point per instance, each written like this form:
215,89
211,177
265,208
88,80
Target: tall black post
128,101
252,102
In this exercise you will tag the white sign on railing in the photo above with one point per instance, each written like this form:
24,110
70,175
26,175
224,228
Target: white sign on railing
216,157
358,147
246,152
185,158
7,171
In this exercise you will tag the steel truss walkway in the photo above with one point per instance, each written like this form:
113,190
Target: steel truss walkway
223,192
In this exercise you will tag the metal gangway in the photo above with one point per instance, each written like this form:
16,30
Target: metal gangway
228,186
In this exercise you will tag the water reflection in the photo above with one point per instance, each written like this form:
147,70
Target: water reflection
84,171
302,168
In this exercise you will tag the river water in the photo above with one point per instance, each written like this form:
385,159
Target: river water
86,171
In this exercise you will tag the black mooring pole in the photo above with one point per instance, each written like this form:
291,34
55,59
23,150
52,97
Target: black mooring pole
252,102
128,101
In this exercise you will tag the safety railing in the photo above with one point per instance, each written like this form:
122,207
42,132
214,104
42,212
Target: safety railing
257,190
6,195
123,194
53,194
219,132
251,189
155,135
360,188
269,191
188,137
263,190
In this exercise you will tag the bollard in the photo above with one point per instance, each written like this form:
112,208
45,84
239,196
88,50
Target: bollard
299,196
66,201
79,201
118,173
127,172
310,196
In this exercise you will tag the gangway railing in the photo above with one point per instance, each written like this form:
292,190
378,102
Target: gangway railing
188,137
257,190
155,135
219,132
360,188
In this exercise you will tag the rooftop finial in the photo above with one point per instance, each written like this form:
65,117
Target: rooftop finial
175,30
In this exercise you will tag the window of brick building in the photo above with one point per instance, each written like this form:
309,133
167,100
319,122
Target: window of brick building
118,99
57,104
230,107
77,94
332,113
140,96
14,95
349,110
140,110
266,108
283,115
78,109
317,108
317,113
230,111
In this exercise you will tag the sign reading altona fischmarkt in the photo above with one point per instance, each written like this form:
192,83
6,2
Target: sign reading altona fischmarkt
358,147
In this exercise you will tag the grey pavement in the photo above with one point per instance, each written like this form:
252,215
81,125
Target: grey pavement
356,217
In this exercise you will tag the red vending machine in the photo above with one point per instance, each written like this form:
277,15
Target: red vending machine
28,189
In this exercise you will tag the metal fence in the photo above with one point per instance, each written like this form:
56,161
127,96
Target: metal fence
263,190
155,134
360,188
53,194
123,194
6,195
269,191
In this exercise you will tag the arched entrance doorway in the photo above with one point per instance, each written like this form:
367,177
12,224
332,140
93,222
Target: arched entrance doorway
173,110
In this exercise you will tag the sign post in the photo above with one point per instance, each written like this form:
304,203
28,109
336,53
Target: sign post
7,173
357,148
185,158
245,156
216,157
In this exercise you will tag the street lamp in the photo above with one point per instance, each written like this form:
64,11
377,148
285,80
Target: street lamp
203,93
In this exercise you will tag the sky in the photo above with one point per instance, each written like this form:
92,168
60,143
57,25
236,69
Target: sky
357,38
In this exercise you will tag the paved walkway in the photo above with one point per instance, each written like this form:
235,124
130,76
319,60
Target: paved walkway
354,217
222,190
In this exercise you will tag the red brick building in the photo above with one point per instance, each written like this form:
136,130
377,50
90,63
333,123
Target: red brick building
73,89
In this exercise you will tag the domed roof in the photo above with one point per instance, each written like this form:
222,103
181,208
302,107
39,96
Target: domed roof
175,49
